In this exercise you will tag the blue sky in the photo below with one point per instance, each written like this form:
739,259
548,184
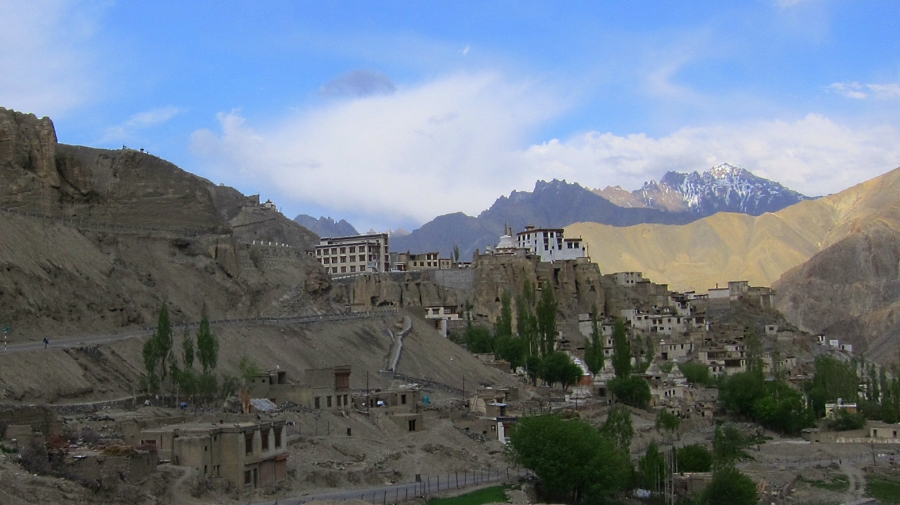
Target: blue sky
391,113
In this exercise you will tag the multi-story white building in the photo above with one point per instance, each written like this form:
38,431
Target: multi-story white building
550,245
354,254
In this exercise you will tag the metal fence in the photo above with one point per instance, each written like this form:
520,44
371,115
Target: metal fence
424,487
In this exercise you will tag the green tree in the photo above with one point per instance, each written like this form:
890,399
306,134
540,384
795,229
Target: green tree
558,368
478,339
728,447
652,468
666,422
696,373
535,367
511,349
503,325
546,319
526,322
156,352
207,346
873,392
782,409
649,355
593,348
621,350
618,427
739,392
456,254
164,341
249,371
842,420
730,487
693,458
833,379
151,361
575,462
187,349
634,391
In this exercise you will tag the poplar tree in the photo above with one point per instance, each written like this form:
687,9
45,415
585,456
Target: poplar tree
207,346
546,319
621,351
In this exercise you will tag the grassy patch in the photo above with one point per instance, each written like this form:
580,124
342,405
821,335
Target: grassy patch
838,483
495,494
883,489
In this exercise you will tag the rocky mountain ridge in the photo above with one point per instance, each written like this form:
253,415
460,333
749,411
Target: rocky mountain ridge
722,188
326,226
551,204
676,199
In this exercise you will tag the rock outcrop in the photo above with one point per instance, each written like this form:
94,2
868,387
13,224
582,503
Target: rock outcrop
95,240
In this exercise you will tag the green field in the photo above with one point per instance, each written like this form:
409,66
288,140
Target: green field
838,483
495,494
883,489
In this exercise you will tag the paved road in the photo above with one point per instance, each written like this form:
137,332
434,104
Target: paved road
64,342
398,493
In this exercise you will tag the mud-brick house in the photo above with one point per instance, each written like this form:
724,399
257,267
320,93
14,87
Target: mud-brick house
323,388
248,455
883,432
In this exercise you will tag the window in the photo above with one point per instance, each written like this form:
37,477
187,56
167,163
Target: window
343,250
403,399
317,403
362,268
352,249
265,439
352,268
248,476
412,425
328,400
248,443
343,270
278,438
334,270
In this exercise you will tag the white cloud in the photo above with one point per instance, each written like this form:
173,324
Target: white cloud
465,51
444,146
813,155
863,91
45,56
127,129
885,91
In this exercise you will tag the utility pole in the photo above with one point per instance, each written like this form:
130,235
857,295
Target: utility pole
5,334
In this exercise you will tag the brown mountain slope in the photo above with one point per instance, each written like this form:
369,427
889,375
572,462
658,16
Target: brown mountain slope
93,241
728,246
850,291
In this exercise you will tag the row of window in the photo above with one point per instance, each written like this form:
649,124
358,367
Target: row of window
343,250
341,400
334,270
343,259
248,440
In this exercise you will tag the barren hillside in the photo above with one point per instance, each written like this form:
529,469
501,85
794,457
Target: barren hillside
94,241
